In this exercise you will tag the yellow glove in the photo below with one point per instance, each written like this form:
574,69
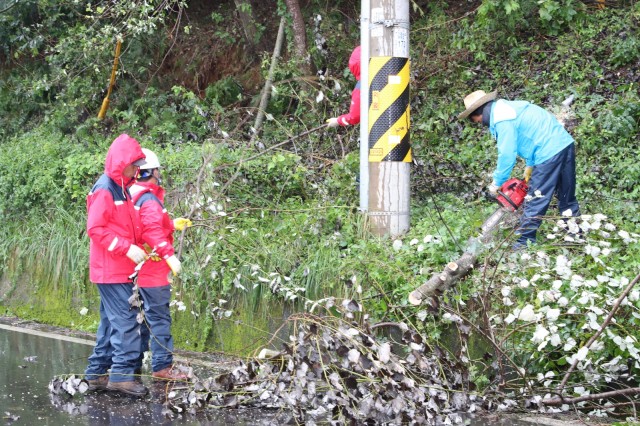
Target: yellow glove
332,122
180,223
151,254
174,264
527,173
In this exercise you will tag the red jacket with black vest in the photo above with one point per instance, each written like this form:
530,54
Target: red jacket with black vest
157,232
112,224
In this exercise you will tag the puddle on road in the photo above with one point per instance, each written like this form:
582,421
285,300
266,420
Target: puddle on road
28,362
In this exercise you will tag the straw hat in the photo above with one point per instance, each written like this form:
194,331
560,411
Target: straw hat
475,100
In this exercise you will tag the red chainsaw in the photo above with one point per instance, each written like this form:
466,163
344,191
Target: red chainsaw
512,193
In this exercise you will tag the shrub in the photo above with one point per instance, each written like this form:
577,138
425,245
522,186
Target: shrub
32,172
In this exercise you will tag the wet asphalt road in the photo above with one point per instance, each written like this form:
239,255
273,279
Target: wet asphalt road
29,362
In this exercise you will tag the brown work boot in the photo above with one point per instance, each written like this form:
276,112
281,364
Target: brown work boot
99,384
130,388
170,373
137,375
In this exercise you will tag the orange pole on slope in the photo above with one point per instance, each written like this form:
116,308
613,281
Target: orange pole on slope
105,102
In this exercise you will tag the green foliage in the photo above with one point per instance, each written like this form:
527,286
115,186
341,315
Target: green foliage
506,24
169,117
225,36
21,25
223,92
627,51
32,172
342,180
283,176
78,53
557,16
81,171
621,121
553,16
606,141
19,104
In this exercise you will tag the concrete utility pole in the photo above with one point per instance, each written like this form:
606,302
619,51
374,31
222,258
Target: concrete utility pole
388,118
365,16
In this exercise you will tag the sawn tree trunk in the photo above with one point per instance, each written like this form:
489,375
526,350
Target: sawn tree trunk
454,271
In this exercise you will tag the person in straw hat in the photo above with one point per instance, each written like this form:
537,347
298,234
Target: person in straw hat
522,129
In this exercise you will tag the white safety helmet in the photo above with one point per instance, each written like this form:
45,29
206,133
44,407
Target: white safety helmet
151,159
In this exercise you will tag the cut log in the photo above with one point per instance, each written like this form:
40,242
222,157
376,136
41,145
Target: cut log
454,271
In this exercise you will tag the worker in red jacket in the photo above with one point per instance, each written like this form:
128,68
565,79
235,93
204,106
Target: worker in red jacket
353,116
114,251
153,277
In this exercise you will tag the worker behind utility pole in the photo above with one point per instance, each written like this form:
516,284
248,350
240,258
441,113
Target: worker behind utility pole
353,116
522,129
153,277
114,234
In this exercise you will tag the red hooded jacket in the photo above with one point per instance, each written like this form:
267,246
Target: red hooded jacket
112,224
353,117
157,232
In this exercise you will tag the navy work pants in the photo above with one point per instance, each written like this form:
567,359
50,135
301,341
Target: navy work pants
555,176
118,339
157,326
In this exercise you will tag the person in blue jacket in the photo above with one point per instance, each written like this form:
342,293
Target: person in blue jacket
522,129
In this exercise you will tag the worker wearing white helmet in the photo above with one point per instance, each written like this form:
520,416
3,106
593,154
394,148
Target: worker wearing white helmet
154,276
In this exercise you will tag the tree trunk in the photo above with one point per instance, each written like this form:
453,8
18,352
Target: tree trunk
454,271
299,35
249,29
266,90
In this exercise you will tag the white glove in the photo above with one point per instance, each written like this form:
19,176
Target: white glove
332,122
493,189
174,264
136,254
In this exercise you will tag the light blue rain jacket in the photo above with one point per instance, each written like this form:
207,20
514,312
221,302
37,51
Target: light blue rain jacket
524,130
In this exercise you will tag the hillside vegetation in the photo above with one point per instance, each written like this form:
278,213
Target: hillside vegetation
277,230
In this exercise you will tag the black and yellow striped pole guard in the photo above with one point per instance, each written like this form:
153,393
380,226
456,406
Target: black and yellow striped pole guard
105,102
389,109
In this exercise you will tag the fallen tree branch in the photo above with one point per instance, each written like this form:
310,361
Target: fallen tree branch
291,139
497,347
560,400
9,7
604,325
401,326
205,162
454,271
